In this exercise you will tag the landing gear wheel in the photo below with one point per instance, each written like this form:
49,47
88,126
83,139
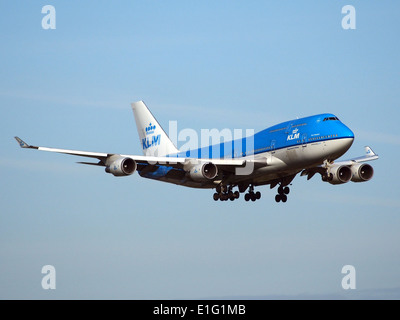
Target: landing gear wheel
258,195
253,197
247,197
283,191
216,196
236,194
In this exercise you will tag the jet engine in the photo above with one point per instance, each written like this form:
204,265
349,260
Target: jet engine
361,172
338,174
203,172
120,166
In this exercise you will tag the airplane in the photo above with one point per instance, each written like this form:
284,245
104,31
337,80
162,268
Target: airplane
273,156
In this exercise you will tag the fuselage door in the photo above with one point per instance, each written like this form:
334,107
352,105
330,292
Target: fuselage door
289,129
304,140
272,151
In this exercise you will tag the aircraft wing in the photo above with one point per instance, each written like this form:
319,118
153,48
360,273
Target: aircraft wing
369,156
175,162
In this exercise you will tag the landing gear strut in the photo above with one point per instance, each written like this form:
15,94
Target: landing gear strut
251,195
282,194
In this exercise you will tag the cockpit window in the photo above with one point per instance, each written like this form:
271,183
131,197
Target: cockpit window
331,118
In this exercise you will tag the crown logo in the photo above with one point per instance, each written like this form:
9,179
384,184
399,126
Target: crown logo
295,130
150,129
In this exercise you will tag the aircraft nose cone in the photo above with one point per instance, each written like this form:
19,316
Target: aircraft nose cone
350,133
349,141
348,136
347,133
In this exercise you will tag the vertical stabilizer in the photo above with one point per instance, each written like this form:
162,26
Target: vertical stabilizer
153,139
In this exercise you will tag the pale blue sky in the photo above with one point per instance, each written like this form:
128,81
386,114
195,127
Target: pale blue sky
206,64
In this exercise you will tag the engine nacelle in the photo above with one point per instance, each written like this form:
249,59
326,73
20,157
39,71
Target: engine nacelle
203,172
361,172
339,174
119,166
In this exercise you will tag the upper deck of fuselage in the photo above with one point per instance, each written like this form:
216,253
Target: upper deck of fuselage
310,121
322,123
321,127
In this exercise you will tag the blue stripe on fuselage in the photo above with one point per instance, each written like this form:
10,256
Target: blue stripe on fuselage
283,135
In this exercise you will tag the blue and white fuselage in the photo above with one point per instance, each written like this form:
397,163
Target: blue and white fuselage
272,156
288,147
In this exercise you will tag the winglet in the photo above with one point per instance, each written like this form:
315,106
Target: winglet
23,144
369,152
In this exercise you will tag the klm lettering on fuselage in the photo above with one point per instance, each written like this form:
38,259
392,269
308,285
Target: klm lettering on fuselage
151,141
295,135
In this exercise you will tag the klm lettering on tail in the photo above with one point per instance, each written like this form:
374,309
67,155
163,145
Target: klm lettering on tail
154,141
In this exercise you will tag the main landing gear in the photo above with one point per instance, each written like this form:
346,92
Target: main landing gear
251,195
223,193
282,194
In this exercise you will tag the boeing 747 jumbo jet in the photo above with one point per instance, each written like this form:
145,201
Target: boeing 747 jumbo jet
273,156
